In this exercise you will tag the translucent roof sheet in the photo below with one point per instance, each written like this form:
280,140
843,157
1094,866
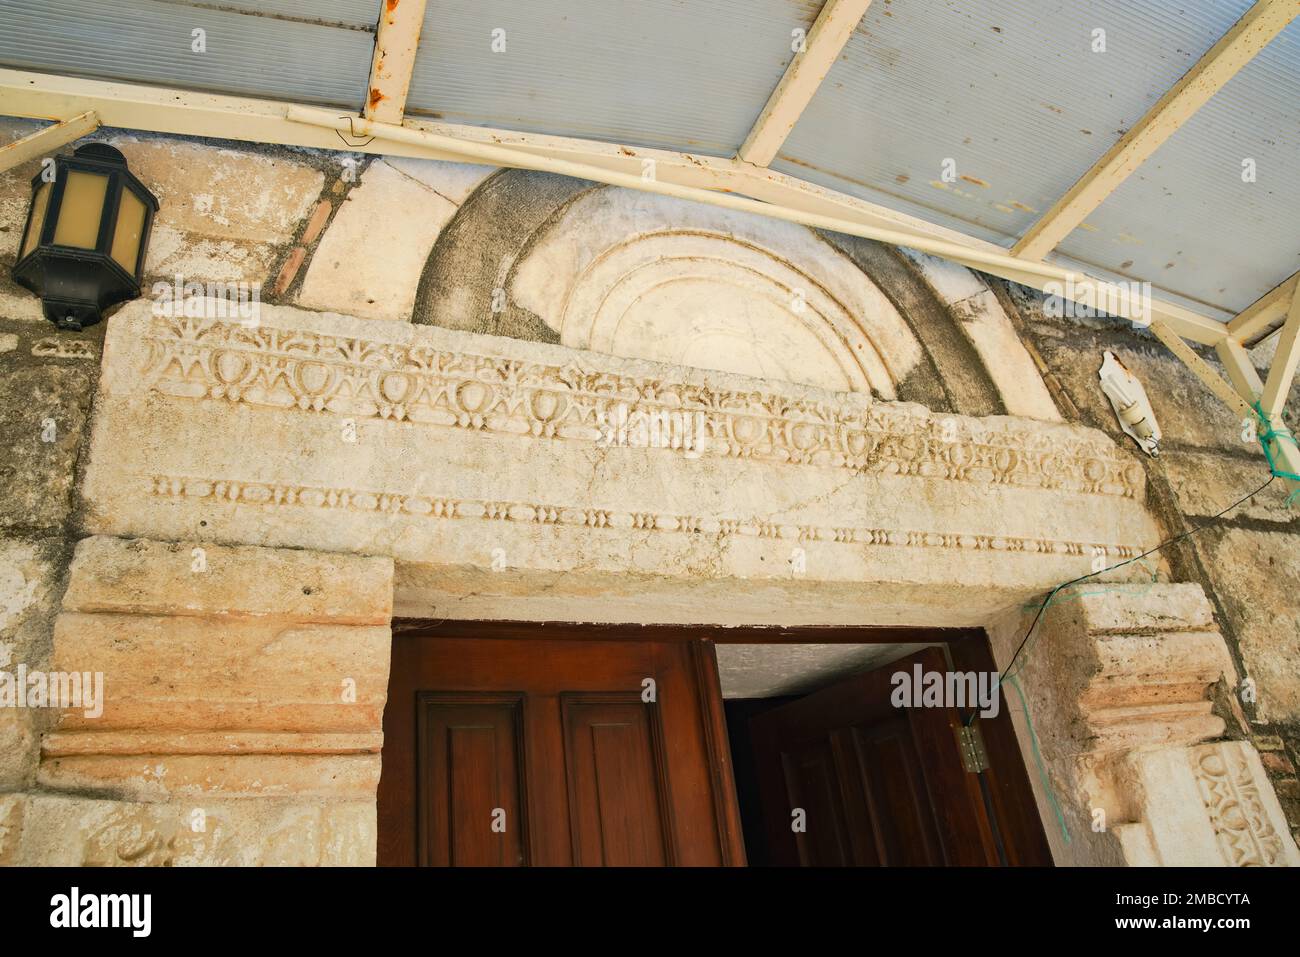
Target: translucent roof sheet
680,75
1010,91
150,41
1017,98
1187,219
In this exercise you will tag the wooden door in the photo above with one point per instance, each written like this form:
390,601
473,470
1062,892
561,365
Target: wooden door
876,785
541,748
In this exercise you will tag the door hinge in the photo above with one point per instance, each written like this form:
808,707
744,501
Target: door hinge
973,756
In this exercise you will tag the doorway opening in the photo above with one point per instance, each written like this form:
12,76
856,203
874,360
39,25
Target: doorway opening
514,744
881,754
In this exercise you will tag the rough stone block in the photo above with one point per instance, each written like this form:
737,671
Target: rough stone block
52,830
43,408
1256,575
143,577
368,262
1209,806
438,447
1208,482
198,674
30,580
1187,412
244,195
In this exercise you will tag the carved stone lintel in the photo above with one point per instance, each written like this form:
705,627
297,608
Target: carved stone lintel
355,377
1209,805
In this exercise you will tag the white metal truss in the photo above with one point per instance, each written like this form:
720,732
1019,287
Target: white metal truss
1260,24
48,139
396,41
830,31
742,183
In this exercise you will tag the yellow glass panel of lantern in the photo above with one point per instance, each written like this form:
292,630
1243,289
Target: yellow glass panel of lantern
81,210
127,233
40,204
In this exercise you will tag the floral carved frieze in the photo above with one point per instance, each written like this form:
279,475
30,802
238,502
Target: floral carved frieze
420,384
1236,808
433,507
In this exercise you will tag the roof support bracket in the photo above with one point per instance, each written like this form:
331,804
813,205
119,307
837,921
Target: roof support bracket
1260,24
46,141
830,31
396,42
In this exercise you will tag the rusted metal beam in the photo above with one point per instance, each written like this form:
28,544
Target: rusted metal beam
396,41
46,141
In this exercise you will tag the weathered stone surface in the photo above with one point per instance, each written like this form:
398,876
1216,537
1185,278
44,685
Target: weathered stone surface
1112,670
206,776
245,195
393,439
173,252
1257,579
30,580
621,273
142,577
1206,806
1186,412
1165,607
990,331
43,409
252,673
187,673
368,262
452,181
53,830
15,189
19,304
1208,482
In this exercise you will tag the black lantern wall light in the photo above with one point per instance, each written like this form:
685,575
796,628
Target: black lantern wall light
87,234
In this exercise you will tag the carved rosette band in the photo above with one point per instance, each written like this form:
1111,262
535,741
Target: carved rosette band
364,378
1232,798
442,508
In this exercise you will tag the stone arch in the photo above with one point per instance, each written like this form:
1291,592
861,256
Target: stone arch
649,277
552,259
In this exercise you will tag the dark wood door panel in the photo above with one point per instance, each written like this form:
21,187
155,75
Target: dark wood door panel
904,829
887,785
470,780
812,787
556,734
618,781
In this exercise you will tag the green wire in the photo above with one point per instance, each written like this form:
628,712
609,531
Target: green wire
1038,759
1266,438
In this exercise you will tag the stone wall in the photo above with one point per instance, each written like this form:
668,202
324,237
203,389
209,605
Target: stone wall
1248,561
242,711
418,422
1121,683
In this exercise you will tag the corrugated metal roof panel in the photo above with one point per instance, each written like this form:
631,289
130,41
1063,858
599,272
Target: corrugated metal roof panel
1186,219
668,73
1010,90
357,14
147,41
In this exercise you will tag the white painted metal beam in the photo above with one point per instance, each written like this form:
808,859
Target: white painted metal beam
1265,313
1260,24
396,42
46,141
830,31
1200,368
1241,371
1281,372
704,179
1043,276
